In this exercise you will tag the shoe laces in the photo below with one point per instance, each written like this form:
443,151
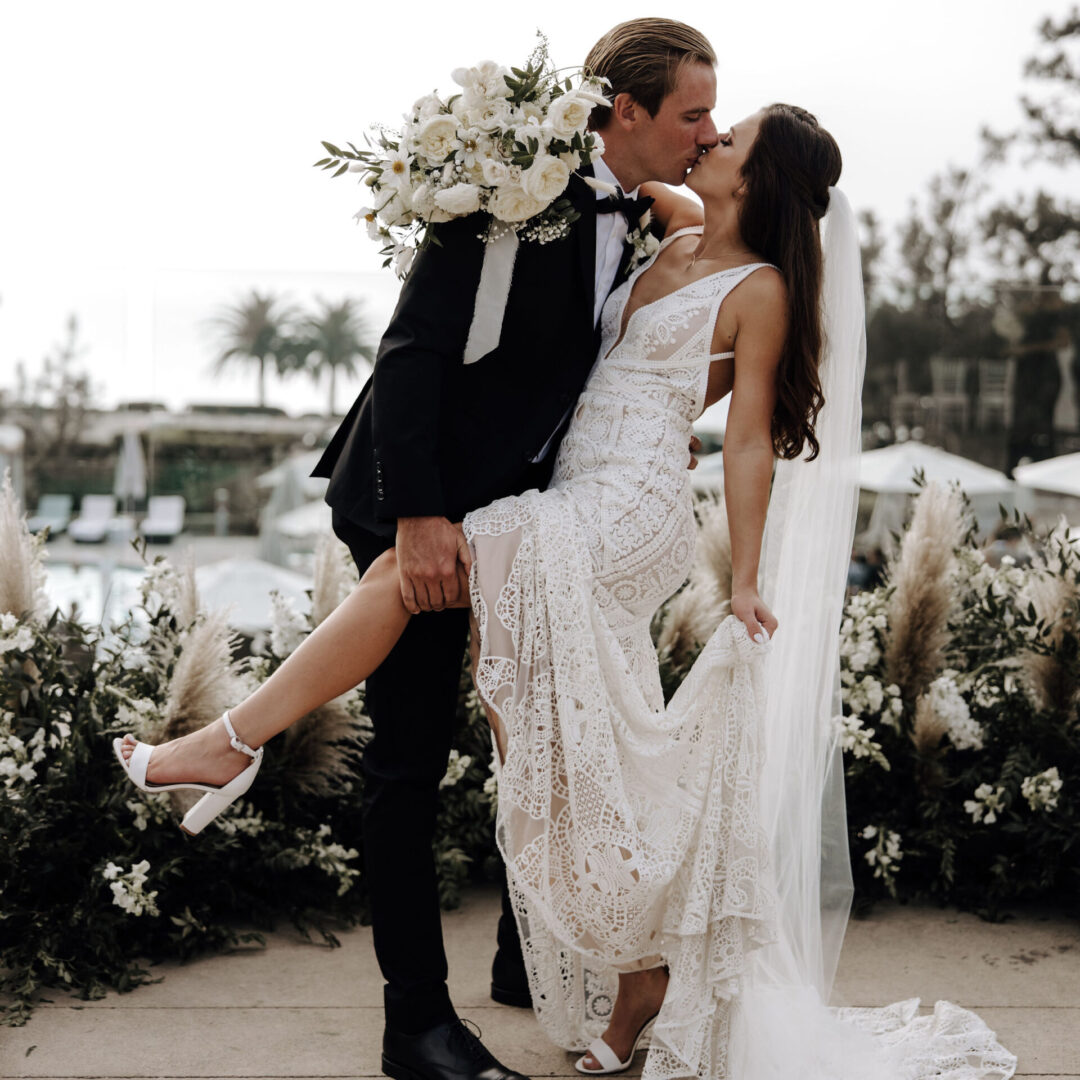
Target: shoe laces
468,1035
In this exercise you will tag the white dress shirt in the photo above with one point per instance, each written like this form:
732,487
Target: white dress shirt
610,237
611,232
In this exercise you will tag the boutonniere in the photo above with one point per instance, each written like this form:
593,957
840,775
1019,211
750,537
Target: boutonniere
643,243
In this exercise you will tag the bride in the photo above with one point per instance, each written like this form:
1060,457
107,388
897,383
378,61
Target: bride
677,870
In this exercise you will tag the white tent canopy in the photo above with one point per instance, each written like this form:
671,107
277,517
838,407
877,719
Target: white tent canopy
891,469
890,472
1060,474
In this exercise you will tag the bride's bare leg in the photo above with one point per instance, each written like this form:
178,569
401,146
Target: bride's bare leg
474,658
341,652
641,993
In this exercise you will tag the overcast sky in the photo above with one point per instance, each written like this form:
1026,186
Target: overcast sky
156,159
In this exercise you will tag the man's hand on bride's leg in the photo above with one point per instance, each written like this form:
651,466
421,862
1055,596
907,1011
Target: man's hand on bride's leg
429,552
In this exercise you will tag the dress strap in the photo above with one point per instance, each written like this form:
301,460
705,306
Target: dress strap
698,229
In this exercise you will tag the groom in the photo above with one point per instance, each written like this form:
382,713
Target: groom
430,438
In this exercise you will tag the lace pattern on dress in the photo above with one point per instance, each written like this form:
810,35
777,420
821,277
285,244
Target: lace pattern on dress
630,829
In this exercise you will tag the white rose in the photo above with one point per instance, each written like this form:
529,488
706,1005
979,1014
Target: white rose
598,147
459,200
512,204
437,137
529,110
394,212
569,114
545,179
484,80
490,116
532,129
496,173
427,106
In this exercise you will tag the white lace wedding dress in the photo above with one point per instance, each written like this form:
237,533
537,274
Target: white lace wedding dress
631,830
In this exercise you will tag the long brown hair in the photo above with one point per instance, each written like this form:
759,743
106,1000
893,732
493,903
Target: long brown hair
644,58
787,173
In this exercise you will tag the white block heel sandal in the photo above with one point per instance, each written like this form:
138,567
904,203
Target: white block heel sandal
606,1057
216,798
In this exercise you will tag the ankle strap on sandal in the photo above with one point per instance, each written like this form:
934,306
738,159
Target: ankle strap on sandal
235,741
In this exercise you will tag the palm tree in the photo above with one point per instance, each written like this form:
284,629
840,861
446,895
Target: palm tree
333,340
254,329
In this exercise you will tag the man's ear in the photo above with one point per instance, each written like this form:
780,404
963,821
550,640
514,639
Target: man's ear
625,111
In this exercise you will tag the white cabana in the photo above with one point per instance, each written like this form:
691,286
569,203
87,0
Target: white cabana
890,472
1058,474
243,586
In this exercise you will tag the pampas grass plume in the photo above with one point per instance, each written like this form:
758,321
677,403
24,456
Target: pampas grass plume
712,561
205,681
1047,677
335,575
322,749
928,729
22,575
921,599
688,622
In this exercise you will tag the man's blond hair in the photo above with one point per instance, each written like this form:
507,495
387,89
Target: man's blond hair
644,58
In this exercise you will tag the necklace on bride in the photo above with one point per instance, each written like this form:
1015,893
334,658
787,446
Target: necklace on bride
695,258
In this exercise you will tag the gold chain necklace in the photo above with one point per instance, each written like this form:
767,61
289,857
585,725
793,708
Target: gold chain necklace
695,258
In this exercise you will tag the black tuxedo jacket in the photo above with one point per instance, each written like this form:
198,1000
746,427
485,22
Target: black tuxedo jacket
429,435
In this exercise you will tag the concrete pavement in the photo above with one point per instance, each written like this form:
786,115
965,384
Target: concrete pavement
305,1011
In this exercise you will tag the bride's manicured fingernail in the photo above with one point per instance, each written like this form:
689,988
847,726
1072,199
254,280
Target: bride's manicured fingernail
760,639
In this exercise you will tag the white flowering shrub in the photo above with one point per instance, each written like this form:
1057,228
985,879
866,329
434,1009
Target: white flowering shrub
95,874
966,790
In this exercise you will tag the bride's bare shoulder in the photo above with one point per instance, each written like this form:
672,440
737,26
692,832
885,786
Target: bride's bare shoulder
763,295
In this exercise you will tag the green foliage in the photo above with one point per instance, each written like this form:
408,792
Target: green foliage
95,877
978,782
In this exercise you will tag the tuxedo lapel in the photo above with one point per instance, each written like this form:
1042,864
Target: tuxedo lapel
583,199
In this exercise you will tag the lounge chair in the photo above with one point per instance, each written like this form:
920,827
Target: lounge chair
164,519
95,516
53,513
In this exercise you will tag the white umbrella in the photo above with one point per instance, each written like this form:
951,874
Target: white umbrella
1060,474
244,586
311,519
890,469
129,480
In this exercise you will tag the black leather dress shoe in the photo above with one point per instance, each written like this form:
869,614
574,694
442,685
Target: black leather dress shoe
517,996
509,983
447,1051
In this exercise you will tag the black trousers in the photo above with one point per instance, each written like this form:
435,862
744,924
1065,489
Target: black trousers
412,701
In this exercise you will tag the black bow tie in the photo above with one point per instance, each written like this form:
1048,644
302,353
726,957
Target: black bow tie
620,204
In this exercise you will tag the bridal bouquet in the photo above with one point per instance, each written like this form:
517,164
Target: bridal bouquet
506,144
